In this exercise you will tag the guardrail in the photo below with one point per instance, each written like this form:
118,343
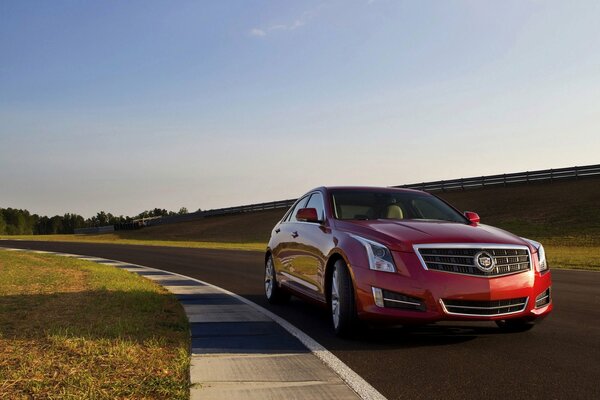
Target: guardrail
272,205
250,208
437,186
446,185
507,179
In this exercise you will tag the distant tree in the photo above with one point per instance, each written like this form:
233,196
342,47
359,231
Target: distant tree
2,223
70,222
79,222
42,225
35,223
56,225
18,222
159,212
101,218
156,212
21,222
29,223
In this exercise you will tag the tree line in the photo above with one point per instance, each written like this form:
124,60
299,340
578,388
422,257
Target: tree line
21,222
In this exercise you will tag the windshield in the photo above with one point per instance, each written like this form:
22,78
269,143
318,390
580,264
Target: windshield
368,204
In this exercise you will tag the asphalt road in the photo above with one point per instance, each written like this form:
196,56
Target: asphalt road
559,359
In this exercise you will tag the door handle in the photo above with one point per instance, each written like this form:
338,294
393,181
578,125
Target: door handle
277,230
295,234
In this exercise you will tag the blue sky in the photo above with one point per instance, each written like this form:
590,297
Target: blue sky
125,106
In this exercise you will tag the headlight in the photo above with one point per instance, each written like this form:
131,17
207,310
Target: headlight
380,257
542,263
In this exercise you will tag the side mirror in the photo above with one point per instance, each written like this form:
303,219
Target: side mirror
473,217
307,215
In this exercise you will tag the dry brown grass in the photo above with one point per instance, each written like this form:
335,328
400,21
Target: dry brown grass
540,211
75,329
242,228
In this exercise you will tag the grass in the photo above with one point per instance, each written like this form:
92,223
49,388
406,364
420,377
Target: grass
115,239
542,210
573,257
252,227
74,329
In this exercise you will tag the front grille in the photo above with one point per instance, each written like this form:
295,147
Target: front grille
485,308
397,300
543,299
460,259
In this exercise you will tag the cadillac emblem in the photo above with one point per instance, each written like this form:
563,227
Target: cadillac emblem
484,261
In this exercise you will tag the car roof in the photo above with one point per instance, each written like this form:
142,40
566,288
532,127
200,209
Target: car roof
370,189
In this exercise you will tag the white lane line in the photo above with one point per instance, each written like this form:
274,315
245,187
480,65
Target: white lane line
352,379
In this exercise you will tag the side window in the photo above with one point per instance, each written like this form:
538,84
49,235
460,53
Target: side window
301,204
316,201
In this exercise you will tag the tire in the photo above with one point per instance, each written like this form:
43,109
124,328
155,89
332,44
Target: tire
342,301
514,325
274,293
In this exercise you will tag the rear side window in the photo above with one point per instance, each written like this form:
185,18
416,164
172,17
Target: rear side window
292,215
316,201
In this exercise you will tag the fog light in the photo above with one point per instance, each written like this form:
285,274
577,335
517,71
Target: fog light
378,297
543,299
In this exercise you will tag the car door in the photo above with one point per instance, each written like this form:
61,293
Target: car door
284,236
309,261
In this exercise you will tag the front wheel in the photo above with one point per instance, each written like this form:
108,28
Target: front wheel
343,306
514,325
273,292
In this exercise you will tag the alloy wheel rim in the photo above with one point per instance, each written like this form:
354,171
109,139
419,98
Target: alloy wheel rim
269,278
335,299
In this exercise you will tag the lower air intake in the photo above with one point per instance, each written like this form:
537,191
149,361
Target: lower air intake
397,300
485,308
543,299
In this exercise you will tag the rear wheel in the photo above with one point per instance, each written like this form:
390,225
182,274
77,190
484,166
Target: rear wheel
343,306
273,292
515,325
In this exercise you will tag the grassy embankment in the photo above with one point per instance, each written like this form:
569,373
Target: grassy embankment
75,329
565,216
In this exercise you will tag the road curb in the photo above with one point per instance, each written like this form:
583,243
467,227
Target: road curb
242,350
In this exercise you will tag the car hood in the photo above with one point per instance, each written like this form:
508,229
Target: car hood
401,235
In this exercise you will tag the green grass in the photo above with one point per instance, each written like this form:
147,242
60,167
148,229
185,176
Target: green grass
74,329
114,239
573,257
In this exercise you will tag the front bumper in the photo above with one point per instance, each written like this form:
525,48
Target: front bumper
448,296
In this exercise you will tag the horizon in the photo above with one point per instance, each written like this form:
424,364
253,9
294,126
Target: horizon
124,107
190,211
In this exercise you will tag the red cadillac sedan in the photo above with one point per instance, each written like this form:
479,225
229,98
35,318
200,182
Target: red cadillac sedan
403,256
